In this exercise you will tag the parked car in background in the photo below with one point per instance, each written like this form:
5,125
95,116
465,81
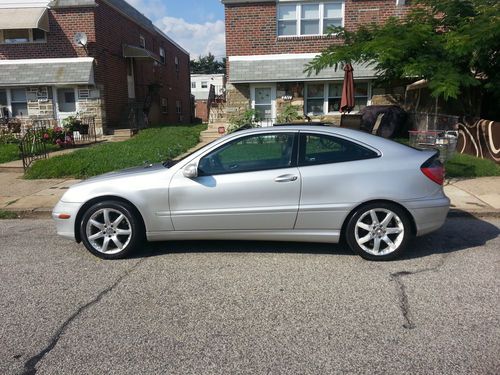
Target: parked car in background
289,183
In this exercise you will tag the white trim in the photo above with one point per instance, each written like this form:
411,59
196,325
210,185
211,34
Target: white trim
284,56
46,61
273,96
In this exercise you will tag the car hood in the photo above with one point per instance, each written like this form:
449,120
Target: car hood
128,172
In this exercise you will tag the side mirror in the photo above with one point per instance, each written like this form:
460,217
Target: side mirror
190,171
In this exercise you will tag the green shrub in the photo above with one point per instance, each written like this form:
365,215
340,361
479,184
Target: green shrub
248,117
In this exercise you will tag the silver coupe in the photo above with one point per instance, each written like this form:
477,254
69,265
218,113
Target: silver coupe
293,183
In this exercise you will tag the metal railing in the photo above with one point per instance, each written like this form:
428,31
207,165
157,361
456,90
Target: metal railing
424,121
33,146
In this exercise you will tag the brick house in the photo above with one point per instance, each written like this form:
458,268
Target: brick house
90,57
268,43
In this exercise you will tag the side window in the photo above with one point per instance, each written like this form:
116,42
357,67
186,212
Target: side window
252,153
322,149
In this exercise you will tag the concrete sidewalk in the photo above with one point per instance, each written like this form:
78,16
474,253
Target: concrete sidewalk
33,198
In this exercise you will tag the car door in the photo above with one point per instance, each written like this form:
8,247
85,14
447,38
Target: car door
250,183
334,172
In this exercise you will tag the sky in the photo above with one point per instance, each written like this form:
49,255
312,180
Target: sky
196,25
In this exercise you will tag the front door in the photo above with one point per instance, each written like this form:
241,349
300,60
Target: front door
250,183
263,102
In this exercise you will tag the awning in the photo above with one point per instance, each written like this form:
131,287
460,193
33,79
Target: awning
24,18
139,53
288,70
47,72
417,85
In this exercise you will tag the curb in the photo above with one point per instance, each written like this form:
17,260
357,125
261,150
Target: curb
457,213
36,213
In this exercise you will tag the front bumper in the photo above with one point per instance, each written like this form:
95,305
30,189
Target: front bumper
66,227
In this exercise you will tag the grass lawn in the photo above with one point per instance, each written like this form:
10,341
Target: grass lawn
461,165
9,152
154,145
7,215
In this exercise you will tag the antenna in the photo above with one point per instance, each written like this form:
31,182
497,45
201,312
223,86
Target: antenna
80,39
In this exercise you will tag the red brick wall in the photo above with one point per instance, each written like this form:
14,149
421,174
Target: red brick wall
251,28
63,23
107,30
201,110
112,31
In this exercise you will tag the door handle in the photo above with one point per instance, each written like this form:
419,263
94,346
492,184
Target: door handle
286,178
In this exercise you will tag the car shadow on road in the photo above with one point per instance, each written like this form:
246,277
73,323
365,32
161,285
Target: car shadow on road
458,233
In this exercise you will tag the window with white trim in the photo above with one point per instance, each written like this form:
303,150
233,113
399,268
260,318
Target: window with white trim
298,19
193,85
19,102
142,41
323,98
178,107
18,36
204,84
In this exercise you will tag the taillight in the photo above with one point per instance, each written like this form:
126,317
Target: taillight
434,170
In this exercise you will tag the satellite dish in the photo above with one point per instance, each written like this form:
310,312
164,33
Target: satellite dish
80,39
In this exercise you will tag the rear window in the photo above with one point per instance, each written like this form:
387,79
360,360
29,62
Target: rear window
324,149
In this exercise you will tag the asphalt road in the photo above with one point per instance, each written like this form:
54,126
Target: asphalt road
249,307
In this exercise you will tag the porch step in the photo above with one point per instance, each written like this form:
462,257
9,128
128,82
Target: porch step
212,132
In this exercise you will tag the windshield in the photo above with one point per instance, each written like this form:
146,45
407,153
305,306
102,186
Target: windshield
171,162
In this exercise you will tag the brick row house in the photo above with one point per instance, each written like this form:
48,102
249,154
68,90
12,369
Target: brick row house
269,42
100,58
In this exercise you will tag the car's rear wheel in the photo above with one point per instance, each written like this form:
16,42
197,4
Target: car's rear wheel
378,231
110,230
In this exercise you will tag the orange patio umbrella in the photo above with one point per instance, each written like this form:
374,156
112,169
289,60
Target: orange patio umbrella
347,100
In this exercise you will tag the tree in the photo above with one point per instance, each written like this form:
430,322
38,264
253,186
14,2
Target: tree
208,65
453,44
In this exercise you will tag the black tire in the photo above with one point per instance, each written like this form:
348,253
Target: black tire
128,231
361,227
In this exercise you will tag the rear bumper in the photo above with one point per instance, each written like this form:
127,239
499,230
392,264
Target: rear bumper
429,215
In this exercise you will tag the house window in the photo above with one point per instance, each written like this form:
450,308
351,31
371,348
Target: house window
164,105
142,41
162,55
287,19
193,85
324,98
204,84
309,18
176,61
315,98
19,102
16,36
178,107
3,98
66,100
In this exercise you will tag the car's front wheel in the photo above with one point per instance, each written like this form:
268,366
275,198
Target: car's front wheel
110,230
378,231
